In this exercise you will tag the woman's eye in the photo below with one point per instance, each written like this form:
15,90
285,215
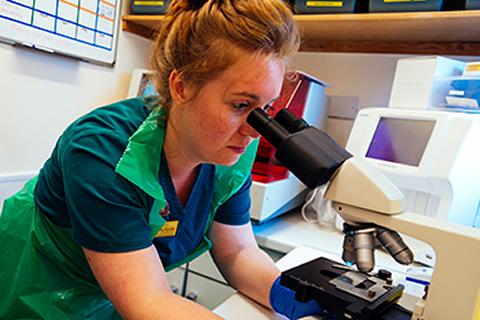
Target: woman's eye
241,105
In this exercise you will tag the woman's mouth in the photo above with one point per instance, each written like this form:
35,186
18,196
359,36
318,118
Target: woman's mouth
239,150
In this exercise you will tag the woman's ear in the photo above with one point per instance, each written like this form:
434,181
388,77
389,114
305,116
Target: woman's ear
178,89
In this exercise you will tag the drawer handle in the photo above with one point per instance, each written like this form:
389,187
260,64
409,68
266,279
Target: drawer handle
192,296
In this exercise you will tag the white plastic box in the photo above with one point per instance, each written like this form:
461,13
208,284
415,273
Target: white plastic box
413,84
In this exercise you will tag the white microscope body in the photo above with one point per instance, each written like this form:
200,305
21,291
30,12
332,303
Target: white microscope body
431,156
361,194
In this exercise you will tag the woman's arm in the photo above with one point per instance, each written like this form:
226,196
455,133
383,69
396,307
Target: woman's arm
246,267
137,285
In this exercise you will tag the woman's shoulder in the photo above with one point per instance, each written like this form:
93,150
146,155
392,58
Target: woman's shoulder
117,121
105,130
122,117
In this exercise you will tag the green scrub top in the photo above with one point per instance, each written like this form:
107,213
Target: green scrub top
105,211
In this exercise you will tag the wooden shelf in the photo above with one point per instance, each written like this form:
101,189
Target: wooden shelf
446,32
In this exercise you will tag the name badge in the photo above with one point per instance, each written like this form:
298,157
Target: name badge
169,229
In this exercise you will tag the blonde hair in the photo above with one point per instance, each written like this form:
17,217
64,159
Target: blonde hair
200,39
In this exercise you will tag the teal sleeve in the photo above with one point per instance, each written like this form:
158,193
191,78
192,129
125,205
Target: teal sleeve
236,210
106,211
78,188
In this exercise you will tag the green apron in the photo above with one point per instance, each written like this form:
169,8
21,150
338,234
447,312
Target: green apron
44,273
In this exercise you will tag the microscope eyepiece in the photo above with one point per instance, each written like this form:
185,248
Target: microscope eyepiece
290,121
267,127
309,153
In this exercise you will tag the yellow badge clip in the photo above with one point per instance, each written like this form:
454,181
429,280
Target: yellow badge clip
169,229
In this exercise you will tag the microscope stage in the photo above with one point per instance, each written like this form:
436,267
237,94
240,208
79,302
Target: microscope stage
347,293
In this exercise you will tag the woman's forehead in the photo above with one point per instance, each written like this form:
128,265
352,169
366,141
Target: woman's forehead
253,76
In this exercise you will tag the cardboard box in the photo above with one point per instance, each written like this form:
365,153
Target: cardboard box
413,84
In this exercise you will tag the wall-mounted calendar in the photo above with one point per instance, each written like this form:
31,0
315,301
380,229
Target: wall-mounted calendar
84,29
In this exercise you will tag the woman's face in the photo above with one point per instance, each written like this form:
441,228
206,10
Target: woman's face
212,127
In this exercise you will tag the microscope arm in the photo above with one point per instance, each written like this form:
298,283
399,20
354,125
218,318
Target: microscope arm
361,196
359,184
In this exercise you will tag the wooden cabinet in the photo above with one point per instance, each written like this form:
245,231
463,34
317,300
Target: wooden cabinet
444,32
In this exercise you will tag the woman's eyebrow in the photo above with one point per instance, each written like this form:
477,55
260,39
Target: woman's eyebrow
248,95
253,96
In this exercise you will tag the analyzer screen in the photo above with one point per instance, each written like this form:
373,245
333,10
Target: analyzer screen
400,140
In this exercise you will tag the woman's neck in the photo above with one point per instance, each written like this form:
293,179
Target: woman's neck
183,170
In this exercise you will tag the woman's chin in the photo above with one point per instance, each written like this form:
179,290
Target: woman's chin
228,161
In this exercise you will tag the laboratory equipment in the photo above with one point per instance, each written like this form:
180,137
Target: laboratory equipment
461,92
310,154
432,156
315,7
274,189
414,85
472,4
344,290
425,5
361,194
455,285
149,6
141,83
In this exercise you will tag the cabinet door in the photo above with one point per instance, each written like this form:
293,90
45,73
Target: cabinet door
207,292
275,255
204,265
175,277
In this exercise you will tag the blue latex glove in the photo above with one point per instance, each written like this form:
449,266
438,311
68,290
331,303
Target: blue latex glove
282,300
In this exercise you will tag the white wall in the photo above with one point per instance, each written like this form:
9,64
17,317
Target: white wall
42,93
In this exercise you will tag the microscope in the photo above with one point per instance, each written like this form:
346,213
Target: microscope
372,207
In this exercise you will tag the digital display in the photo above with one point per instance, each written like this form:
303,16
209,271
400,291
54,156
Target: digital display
400,140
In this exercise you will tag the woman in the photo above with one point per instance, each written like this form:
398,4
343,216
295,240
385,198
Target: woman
130,193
